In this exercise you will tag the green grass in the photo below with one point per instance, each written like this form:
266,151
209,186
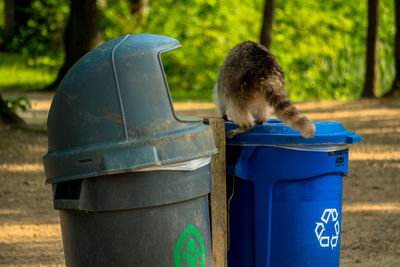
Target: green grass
17,74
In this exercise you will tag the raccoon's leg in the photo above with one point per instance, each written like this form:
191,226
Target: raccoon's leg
261,111
222,109
220,103
224,113
241,117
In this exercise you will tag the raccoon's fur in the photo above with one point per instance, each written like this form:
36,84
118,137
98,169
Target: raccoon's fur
250,87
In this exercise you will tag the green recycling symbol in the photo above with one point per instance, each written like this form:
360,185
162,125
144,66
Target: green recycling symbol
187,248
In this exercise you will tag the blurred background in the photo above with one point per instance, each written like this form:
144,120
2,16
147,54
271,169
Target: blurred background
320,44
341,60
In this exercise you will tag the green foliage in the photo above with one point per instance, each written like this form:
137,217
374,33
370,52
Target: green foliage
42,35
321,45
12,104
1,14
117,19
207,31
17,73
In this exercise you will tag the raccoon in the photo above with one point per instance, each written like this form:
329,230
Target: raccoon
250,87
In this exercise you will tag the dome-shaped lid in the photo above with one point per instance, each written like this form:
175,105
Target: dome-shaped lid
113,113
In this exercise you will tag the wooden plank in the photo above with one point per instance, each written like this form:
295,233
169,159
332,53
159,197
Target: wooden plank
218,214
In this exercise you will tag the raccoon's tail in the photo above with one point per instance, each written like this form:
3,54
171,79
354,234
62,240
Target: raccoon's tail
287,113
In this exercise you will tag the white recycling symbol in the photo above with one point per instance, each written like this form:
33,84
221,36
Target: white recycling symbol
328,216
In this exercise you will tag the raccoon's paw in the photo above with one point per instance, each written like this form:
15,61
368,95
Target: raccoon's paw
225,117
308,131
231,134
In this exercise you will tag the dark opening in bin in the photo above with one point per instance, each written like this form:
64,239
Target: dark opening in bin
68,190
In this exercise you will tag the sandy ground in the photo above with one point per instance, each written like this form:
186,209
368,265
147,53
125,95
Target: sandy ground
29,226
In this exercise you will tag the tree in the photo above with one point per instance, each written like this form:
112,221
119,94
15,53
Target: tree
9,20
267,23
16,16
140,7
81,35
395,90
371,85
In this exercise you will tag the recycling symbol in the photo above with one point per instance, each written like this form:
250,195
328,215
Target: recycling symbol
187,249
329,217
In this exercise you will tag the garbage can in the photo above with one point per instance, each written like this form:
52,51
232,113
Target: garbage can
285,200
129,177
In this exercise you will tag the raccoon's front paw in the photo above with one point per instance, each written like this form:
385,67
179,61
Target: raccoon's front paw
231,134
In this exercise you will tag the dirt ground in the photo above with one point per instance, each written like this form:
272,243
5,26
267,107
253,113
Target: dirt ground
29,226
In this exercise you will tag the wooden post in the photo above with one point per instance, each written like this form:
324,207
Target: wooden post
219,217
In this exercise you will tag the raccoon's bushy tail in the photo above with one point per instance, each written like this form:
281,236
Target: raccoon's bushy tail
287,113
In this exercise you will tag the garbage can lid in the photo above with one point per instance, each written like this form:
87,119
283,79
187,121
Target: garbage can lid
113,113
274,132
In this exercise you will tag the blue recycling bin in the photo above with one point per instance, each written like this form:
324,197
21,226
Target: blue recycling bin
285,195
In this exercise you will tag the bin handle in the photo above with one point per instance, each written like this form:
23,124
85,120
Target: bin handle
69,195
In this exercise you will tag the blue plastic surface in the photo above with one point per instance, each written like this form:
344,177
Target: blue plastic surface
274,132
286,203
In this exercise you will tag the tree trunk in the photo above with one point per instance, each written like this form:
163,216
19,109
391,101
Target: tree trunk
395,90
22,12
267,23
9,20
16,16
81,35
371,86
140,7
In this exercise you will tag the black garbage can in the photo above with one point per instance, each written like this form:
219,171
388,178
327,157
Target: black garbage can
129,177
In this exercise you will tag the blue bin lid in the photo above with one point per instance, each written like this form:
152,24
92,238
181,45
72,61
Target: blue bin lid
276,133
